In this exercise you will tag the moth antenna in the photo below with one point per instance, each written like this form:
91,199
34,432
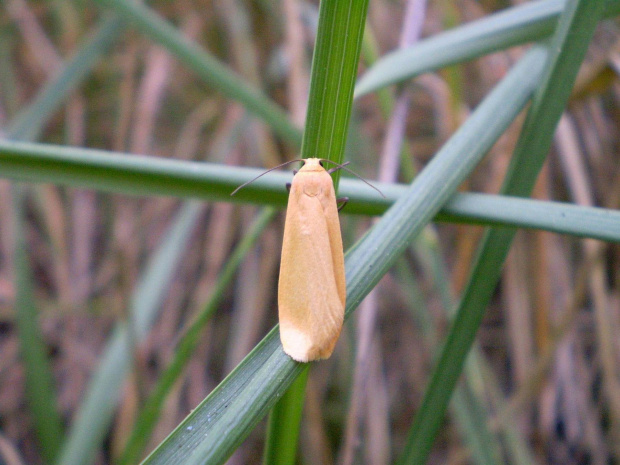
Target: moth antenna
264,173
353,173
341,203
335,168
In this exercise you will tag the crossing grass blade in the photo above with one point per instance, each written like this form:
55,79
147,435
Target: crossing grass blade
220,423
525,23
141,175
566,52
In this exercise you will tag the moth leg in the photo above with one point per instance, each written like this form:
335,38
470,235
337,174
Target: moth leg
288,187
342,202
336,168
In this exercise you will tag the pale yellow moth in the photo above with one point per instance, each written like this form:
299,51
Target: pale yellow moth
311,288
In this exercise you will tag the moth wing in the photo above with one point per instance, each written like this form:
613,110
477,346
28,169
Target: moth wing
311,290
330,209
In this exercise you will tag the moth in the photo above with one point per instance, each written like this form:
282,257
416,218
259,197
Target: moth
312,286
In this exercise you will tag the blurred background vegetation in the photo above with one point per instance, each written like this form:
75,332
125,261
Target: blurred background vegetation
76,263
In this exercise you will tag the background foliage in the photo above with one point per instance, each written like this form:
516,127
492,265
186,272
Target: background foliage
126,306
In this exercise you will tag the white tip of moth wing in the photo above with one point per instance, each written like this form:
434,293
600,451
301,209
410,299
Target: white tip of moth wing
299,346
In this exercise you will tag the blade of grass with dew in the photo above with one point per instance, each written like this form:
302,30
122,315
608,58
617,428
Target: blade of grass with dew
149,176
206,66
91,422
220,423
39,381
151,408
521,24
566,52
334,68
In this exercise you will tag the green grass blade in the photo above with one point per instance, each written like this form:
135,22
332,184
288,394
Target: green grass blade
151,409
334,67
284,424
141,175
39,382
567,50
517,25
29,123
129,174
206,66
467,406
92,420
218,425
563,218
